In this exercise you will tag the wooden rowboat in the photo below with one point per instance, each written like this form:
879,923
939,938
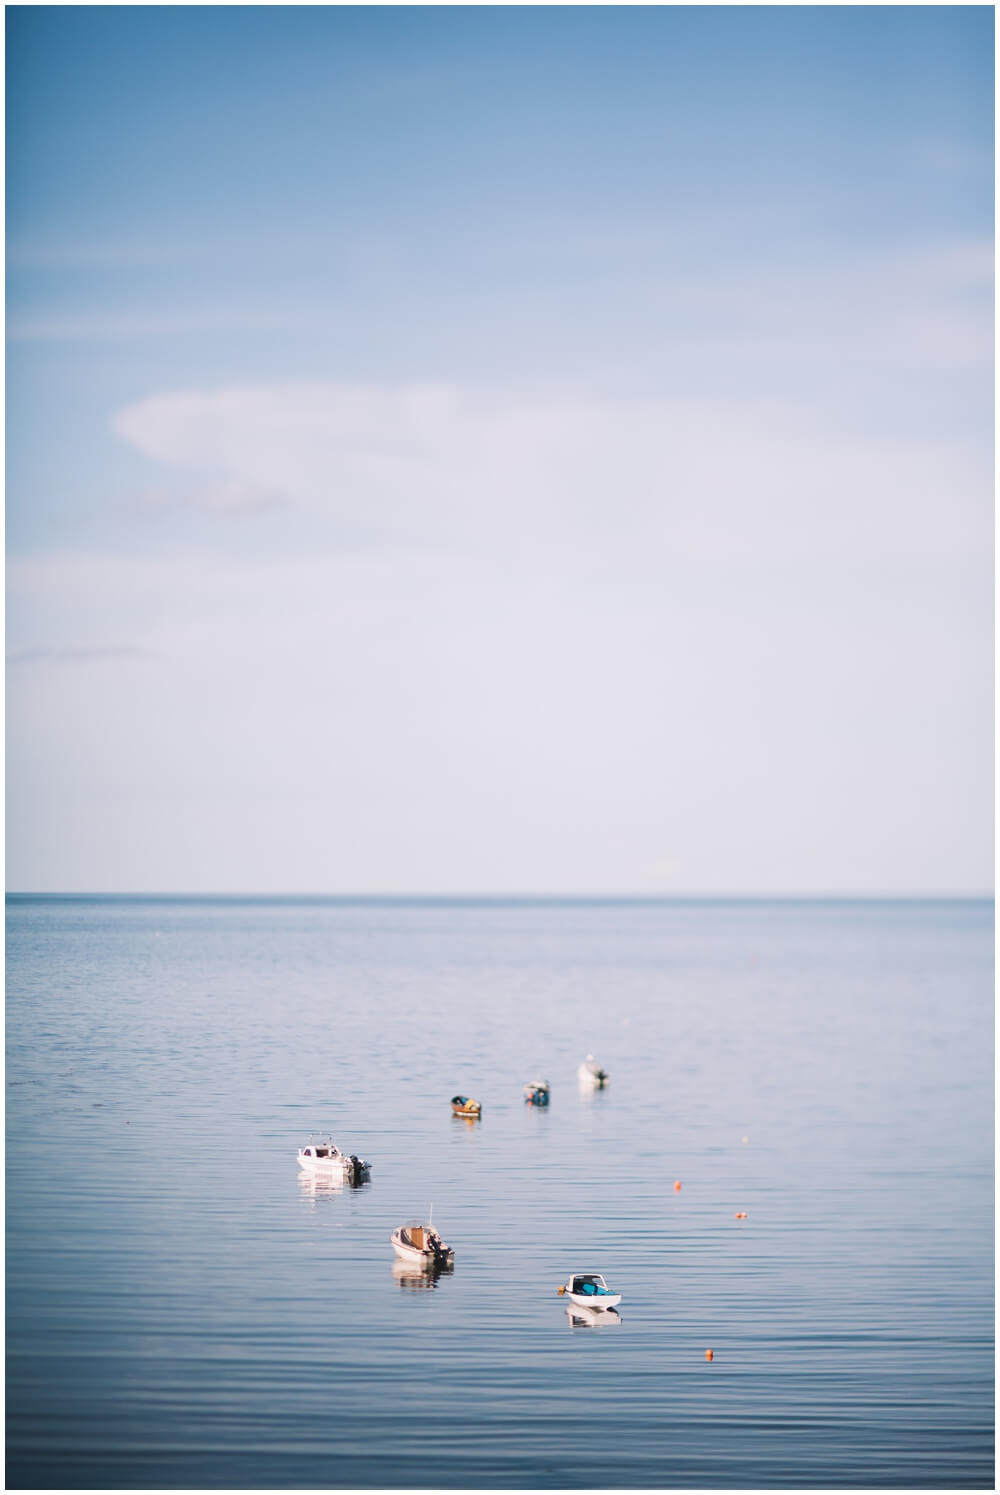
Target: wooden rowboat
464,1105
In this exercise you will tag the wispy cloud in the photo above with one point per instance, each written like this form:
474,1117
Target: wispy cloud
131,325
953,158
24,253
232,496
74,655
697,485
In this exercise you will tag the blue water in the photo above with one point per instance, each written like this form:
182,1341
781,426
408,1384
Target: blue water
184,1309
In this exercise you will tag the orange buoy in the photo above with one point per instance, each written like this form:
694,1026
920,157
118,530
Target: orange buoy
709,1355
677,1187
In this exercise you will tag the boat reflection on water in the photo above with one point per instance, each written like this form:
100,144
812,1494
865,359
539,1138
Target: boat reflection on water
320,1186
591,1318
323,1185
415,1279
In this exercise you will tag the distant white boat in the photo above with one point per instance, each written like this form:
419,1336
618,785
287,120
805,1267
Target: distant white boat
422,1246
589,1290
591,1073
327,1160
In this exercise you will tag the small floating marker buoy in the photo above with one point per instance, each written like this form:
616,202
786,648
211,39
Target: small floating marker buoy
561,1288
709,1355
745,1140
677,1187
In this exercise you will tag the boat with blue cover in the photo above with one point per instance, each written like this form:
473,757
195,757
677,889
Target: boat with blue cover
589,1290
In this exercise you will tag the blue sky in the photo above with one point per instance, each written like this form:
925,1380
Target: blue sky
500,449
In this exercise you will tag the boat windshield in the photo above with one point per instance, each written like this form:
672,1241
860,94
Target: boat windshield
591,1286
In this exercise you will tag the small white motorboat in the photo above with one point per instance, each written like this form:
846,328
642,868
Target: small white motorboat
537,1093
422,1246
589,1290
326,1160
591,1073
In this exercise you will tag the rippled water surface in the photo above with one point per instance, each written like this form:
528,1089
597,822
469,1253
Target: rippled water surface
184,1309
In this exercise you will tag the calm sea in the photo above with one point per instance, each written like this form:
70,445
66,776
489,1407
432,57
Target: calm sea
184,1309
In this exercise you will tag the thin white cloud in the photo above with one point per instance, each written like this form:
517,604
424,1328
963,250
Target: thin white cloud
232,496
34,253
952,158
831,326
770,381
74,654
681,483
115,326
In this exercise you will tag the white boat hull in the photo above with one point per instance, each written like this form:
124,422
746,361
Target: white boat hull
334,1165
600,1297
426,1258
414,1257
595,1304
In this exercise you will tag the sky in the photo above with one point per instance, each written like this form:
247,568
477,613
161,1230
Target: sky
500,450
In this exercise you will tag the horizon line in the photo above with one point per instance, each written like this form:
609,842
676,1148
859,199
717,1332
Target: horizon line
519,896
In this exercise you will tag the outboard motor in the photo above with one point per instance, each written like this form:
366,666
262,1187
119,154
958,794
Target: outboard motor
357,1169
